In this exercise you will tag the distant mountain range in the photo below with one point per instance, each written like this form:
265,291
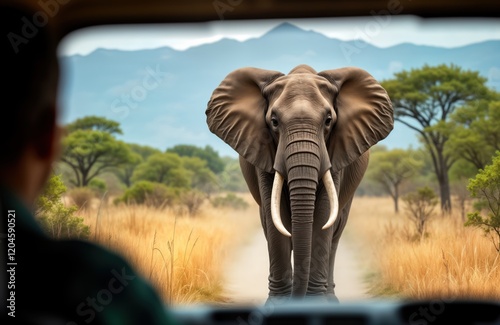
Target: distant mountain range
159,96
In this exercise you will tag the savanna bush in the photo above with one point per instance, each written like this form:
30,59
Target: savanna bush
58,220
485,188
99,186
192,201
151,194
81,196
231,200
420,207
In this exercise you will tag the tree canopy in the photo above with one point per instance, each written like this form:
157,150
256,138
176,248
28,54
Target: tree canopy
390,168
175,171
90,152
214,162
475,132
165,168
424,99
143,151
95,123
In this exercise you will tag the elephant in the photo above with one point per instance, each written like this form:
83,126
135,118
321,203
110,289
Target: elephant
303,141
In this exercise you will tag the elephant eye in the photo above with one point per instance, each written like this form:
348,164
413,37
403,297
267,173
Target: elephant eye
328,120
274,121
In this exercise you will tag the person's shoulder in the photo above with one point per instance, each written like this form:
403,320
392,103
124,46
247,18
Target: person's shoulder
87,253
95,265
89,270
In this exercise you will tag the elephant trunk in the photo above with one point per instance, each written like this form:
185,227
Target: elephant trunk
302,199
302,164
304,161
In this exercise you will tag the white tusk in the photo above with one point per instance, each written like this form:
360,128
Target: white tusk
275,204
332,195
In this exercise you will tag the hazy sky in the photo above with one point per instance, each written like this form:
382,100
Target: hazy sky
382,31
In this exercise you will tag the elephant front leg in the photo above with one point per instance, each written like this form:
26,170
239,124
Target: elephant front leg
339,228
320,249
279,246
330,290
280,267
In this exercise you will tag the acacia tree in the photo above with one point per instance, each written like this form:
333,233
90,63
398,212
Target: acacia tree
424,99
475,132
390,168
90,148
95,123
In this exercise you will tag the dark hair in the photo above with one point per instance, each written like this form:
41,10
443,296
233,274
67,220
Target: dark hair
29,76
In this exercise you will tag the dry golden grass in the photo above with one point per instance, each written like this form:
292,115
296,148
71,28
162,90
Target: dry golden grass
181,256
451,261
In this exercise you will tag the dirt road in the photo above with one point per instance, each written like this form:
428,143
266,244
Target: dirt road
247,270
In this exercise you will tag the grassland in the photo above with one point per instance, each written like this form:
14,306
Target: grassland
182,256
451,261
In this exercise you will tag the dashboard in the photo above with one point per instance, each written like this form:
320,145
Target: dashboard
435,312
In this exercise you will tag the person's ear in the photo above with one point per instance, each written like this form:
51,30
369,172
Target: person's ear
47,138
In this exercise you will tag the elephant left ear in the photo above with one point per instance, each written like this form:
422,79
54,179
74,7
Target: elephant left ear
236,114
364,114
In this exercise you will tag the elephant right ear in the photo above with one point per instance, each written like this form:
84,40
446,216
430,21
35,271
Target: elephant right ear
236,114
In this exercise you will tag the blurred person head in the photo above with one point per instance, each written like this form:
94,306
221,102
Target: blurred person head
29,136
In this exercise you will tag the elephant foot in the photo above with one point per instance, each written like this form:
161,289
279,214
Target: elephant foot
277,300
331,297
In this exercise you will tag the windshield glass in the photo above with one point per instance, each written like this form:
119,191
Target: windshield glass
156,176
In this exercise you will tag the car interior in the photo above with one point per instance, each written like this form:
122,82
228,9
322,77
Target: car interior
72,15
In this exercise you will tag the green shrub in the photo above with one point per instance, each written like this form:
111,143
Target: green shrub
192,200
230,201
485,187
98,186
151,194
81,196
58,220
420,206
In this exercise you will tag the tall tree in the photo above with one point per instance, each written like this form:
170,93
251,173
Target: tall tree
90,148
391,168
475,132
424,99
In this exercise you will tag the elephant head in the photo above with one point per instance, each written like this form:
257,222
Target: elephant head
300,126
